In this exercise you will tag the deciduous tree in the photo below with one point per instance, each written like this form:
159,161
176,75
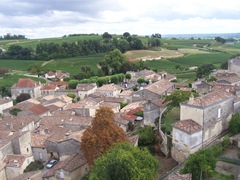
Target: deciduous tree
234,124
125,162
102,135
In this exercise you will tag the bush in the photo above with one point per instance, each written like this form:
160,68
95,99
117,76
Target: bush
234,124
23,97
34,166
14,111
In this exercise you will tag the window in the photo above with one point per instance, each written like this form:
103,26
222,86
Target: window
219,113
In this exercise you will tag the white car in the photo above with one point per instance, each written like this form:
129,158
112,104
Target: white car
51,163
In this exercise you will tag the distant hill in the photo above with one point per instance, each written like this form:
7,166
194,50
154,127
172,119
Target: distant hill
203,36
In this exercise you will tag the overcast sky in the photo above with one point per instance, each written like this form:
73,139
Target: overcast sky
55,18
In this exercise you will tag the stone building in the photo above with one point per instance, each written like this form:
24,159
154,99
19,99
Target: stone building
26,85
153,91
234,65
212,112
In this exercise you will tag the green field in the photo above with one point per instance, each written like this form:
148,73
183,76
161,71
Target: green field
33,42
73,65
22,65
10,79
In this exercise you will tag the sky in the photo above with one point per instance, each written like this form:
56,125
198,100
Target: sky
55,18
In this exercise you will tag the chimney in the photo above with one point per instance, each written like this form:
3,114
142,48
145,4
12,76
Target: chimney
15,163
191,99
210,88
46,131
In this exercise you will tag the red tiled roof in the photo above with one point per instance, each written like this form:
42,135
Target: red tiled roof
130,115
38,109
189,126
27,83
49,87
51,74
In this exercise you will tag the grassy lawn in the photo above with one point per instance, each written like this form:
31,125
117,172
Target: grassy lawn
171,117
219,176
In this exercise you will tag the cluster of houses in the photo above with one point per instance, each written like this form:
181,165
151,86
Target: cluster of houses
49,125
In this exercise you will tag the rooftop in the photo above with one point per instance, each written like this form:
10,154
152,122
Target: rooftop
11,160
109,87
209,99
27,83
38,109
70,164
159,87
188,126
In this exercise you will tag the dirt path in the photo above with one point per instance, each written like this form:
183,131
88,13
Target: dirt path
43,64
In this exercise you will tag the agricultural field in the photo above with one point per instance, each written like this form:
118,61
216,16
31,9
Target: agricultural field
73,65
22,65
33,42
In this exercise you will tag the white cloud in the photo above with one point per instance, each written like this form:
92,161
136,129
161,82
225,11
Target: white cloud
51,18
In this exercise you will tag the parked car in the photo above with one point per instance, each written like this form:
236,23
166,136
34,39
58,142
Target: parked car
51,163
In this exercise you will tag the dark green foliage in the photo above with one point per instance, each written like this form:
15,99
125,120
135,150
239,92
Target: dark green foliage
72,84
128,76
179,96
139,113
146,136
220,40
135,88
12,37
224,65
17,52
34,166
204,70
141,80
211,79
101,81
112,62
71,95
15,111
122,105
23,97
125,162
201,162
234,124
5,91
114,79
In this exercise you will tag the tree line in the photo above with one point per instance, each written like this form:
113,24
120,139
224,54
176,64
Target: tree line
46,51
12,37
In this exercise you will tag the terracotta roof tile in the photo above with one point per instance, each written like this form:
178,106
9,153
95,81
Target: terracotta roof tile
159,87
109,87
209,99
9,160
130,115
27,83
71,163
49,87
189,126
38,109
38,140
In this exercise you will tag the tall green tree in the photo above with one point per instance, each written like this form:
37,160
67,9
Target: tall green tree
125,162
201,162
112,62
204,70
